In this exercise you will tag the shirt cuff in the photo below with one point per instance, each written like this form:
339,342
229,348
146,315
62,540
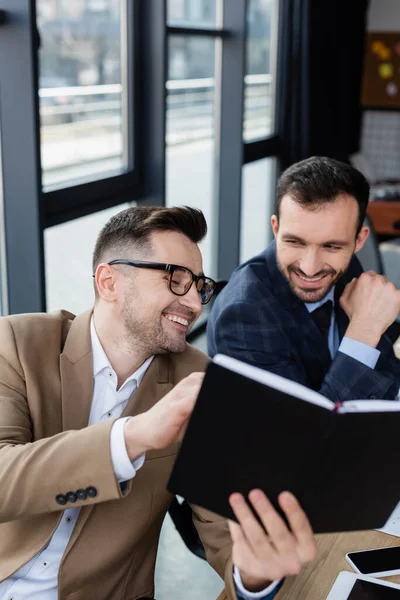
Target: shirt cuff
266,594
362,352
124,468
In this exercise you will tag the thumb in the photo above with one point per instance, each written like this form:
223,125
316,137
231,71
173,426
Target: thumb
348,290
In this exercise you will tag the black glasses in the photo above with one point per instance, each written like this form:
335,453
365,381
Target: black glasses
180,278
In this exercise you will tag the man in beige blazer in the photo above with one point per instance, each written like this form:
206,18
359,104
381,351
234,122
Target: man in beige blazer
91,412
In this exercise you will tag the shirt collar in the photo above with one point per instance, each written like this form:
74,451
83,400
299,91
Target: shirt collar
101,362
311,306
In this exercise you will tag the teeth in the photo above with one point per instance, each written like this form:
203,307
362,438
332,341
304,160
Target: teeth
178,320
311,279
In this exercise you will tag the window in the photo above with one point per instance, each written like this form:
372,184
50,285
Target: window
258,182
201,13
3,263
260,69
69,282
82,90
190,131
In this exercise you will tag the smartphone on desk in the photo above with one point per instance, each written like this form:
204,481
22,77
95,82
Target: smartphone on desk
349,586
379,562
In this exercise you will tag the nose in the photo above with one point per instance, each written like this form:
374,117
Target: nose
310,263
191,300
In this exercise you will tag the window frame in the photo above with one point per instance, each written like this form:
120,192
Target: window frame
148,33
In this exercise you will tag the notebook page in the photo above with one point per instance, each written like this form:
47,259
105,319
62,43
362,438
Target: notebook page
275,381
369,406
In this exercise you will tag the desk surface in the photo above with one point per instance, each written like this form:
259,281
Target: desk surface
316,580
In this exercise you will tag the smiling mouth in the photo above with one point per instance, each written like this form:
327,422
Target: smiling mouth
179,323
311,279
179,320
310,282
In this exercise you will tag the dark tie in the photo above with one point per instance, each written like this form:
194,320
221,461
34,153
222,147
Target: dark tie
322,317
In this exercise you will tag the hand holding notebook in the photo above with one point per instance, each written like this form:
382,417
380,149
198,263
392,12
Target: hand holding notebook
252,429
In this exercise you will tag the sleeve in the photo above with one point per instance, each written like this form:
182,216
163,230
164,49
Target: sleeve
36,476
365,354
214,534
248,332
124,468
268,594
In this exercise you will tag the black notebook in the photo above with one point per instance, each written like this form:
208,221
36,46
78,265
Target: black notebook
253,429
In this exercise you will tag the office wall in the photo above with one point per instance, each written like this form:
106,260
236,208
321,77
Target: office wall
380,143
384,15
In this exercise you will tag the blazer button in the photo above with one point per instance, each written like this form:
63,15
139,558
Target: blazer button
71,497
61,499
81,494
372,397
91,492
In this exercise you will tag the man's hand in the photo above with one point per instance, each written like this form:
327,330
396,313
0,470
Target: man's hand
372,303
165,422
262,556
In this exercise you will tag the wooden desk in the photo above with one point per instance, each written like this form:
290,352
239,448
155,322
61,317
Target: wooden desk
316,580
385,217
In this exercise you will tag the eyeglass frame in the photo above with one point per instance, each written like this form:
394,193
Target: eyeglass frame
143,264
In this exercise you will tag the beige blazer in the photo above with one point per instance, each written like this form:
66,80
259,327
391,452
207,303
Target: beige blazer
46,449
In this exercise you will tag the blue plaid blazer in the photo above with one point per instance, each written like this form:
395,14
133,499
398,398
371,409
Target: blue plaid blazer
257,319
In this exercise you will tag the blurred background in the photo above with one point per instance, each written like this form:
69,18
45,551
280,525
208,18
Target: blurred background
108,103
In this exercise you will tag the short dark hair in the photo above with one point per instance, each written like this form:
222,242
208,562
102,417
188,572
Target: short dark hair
319,180
133,227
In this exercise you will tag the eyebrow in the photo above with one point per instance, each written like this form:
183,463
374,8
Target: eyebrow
288,236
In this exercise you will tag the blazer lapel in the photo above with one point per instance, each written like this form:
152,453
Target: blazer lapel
342,320
300,325
76,369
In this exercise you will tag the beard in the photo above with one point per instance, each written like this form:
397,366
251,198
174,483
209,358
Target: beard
308,294
147,334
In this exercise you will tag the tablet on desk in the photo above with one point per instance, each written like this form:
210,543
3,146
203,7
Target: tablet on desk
349,586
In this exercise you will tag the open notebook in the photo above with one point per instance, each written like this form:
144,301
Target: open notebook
253,429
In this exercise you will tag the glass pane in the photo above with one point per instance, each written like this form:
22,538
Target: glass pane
190,131
260,69
258,202
68,260
81,89
193,13
3,265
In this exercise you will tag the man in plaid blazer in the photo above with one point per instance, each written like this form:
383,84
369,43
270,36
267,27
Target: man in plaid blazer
269,314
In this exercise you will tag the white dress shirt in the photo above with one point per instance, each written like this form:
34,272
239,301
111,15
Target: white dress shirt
37,580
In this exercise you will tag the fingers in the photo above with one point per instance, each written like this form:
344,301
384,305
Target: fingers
188,387
299,525
255,568
276,552
274,524
192,382
252,530
349,288
289,549
242,551
251,567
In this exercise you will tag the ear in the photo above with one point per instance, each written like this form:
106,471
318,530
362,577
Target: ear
361,238
274,225
105,278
